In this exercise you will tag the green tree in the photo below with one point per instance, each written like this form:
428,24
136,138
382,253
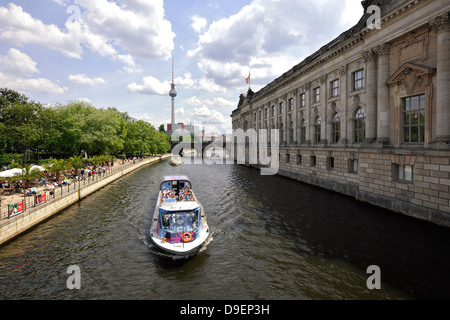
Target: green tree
22,121
57,166
27,175
76,162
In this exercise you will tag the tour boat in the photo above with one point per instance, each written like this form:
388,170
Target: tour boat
179,224
176,160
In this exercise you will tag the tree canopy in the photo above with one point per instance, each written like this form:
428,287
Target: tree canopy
74,129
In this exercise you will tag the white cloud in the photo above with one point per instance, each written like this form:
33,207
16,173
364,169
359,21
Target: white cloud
150,85
180,110
17,62
38,85
208,85
84,100
219,102
204,115
16,65
134,28
352,13
193,101
267,37
212,120
19,27
83,79
62,2
198,23
154,86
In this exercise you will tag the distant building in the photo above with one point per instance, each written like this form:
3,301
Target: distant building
183,129
368,114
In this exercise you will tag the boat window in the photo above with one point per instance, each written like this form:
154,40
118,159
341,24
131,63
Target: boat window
180,221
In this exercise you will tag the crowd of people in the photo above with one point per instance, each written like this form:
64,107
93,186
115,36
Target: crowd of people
184,194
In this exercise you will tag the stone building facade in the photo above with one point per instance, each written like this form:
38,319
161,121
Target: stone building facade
368,114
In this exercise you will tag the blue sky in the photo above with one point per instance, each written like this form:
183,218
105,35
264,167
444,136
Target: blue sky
117,53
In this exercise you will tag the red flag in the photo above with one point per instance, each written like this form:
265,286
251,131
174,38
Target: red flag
248,79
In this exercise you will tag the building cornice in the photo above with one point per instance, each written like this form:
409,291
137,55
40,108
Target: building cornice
345,42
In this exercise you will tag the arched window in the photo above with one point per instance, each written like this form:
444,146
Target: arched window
360,125
336,130
303,133
317,127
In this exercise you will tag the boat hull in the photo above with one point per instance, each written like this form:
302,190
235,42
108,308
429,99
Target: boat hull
179,248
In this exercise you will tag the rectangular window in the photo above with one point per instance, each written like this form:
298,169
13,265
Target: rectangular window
316,95
358,80
281,107
335,88
313,161
353,166
267,113
330,163
291,104
299,159
403,173
303,100
273,111
414,119
288,158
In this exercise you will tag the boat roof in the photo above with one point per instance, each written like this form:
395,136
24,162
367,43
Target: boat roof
175,178
179,205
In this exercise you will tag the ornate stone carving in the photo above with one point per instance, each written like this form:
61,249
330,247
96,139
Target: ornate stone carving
356,100
384,49
412,77
414,48
343,70
441,23
333,106
368,55
409,79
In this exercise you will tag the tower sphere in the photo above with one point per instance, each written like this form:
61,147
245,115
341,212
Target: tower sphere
173,92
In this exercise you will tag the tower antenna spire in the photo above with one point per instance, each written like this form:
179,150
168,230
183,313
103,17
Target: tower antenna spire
172,71
173,94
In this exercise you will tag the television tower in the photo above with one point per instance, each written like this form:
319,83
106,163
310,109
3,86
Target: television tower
173,94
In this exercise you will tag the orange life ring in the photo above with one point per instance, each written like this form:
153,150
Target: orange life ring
186,237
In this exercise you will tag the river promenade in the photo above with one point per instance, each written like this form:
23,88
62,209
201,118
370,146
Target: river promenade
33,211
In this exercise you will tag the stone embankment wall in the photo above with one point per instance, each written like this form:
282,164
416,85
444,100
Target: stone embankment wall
21,223
375,180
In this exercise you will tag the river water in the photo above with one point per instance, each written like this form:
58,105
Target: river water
272,238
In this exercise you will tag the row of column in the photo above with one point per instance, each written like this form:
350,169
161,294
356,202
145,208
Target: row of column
378,94
441,26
